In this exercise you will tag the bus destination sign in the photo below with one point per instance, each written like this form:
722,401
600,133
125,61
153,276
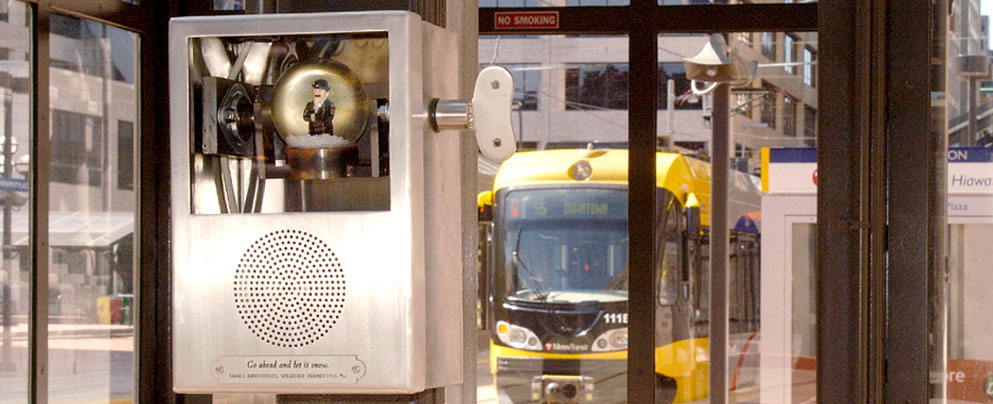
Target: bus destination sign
552,204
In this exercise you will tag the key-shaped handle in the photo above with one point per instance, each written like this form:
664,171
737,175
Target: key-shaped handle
487,114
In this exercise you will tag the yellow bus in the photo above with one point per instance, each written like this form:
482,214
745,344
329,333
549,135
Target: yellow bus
556,276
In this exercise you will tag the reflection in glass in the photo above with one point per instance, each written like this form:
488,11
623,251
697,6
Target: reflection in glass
15,135
771,108
527,84
683,97
552,3
804,312
572,96
602,3
731,2
778,107
970,356
961,301
229,5
596,86
92,210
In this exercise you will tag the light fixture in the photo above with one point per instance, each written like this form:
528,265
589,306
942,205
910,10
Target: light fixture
716,63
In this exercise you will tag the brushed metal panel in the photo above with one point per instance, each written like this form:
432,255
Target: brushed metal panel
374,325
443,230
379,334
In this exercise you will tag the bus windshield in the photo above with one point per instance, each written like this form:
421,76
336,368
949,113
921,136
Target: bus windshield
565,245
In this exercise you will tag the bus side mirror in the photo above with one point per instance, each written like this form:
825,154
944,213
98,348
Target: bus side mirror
693,221
484,203
692,216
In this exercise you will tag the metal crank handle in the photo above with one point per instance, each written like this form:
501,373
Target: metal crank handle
487,114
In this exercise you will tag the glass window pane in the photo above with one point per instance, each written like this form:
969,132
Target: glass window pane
803,321
552,3
586,3
969,352
229,5
768,108
726,2
554,255
15,135
573,89
966,359
92,201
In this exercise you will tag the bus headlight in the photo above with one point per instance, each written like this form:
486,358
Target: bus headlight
517,337
613,340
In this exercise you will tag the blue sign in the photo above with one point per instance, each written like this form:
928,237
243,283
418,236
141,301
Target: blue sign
13,184
809,155
793,155
970,155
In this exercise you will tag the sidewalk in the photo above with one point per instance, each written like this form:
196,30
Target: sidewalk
63,330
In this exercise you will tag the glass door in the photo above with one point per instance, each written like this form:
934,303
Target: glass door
92,207
15,134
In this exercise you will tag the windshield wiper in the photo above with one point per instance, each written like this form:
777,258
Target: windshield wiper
530,278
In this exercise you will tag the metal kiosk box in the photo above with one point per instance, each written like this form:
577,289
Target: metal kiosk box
313,269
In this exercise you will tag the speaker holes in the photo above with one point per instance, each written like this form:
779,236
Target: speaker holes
281,288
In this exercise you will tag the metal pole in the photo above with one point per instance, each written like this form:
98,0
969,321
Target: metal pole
38,224
743,140
670,107
719,248
104,45
642,202
970,139
6,363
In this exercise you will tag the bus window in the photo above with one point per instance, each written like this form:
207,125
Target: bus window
670,275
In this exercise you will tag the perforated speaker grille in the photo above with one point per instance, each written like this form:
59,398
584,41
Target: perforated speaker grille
289,288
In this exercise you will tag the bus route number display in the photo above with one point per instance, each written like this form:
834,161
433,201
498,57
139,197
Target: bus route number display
550,205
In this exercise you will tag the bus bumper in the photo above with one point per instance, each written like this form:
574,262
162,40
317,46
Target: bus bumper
528,380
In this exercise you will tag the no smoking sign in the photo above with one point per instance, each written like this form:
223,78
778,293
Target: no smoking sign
527,20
